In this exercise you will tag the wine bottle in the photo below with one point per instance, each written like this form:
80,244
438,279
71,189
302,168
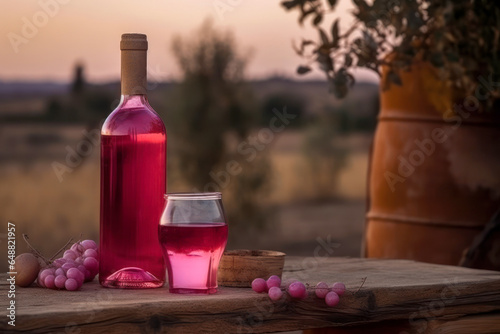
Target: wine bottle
133,180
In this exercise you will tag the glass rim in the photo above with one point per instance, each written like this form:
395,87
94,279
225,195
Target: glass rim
193,196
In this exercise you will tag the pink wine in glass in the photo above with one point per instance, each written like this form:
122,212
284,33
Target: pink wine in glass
133,180
193,235
193,252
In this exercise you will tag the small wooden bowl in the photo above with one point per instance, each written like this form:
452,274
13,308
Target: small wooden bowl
238,268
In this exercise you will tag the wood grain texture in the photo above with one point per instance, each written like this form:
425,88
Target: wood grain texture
395,290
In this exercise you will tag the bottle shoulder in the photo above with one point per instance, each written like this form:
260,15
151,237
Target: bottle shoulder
133,120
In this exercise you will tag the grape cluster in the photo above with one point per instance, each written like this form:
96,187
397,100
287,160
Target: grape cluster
79,264
298,290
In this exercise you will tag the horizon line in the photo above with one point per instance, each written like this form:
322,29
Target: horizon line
164,81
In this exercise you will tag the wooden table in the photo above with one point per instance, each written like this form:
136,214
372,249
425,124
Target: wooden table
397,294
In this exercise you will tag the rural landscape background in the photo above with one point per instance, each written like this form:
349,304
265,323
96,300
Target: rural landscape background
302,185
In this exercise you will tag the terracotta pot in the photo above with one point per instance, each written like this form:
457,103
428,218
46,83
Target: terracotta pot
434,179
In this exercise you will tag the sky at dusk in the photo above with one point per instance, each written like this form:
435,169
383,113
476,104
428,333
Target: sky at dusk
67,31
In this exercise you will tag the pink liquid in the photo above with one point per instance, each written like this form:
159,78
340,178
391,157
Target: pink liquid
192,253
133,175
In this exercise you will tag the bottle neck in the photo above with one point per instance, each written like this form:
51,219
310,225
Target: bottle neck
134,101
133,72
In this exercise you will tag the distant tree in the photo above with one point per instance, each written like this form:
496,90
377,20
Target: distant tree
213,103
87,104
54,109
324,156
78,83
294,104
209,101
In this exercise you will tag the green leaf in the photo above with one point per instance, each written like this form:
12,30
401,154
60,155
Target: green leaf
300,51
306,42
290,4
332,3
369,41
347,60
303,69
335,32
305,14
323,36
317,20
362,6
325,62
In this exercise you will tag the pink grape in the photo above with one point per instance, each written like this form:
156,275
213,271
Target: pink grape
39,281
297,290
88,276
67,266
59,281
71,284
59,262
321,289
273,281
91,253
76,275
259,285
89,244
49,281
79,264
46,272
67,262
332,299
70,255
91,264
338,288
290,281
77,248
275,293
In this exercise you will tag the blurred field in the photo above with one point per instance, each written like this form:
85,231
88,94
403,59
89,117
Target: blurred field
51,211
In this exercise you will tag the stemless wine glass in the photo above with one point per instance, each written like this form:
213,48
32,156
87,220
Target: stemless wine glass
193,235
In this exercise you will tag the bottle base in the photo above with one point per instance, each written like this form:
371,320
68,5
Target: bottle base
132,278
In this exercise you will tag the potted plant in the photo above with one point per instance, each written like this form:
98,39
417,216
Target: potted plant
434,178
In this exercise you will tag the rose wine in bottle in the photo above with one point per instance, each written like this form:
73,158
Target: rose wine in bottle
133,180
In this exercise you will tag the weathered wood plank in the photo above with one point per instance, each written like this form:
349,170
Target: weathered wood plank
477,324
395,290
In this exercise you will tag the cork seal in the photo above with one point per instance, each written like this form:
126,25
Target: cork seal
134,42
133,64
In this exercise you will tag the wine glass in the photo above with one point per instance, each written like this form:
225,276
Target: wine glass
193,235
